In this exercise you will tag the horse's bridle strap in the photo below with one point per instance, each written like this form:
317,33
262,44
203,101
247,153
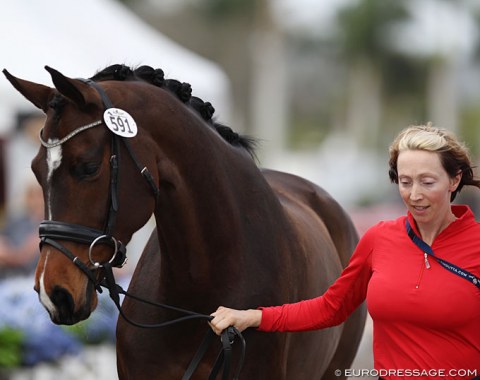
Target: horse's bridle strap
67,137
105,99
68,231
50,230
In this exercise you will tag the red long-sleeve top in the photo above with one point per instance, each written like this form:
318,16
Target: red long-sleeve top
425,319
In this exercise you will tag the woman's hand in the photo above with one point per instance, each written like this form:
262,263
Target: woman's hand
240,319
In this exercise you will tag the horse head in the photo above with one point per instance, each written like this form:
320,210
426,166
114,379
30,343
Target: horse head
86,222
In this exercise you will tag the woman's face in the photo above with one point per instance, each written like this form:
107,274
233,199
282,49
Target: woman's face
425,186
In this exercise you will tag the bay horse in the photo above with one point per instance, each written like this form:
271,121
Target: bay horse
228,233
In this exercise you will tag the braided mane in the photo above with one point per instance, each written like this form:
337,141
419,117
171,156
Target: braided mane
183,91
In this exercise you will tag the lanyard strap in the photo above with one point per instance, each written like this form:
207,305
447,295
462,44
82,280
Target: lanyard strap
448,266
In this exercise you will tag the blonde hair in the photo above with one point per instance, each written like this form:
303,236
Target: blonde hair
454,155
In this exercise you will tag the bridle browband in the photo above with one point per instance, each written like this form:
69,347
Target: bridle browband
69,136
50,231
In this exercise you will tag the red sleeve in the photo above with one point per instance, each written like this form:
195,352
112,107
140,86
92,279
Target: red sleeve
335,305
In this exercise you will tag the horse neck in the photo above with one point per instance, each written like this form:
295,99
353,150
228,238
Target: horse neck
212,200
200,223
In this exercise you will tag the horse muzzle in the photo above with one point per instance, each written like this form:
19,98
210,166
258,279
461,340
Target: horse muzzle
50,231
65,312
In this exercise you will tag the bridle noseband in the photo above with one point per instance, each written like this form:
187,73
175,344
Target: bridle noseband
50,231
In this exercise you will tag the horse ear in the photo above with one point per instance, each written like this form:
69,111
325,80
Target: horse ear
36,93
77,91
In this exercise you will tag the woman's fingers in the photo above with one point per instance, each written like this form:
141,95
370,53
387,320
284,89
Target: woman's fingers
222,319
241,319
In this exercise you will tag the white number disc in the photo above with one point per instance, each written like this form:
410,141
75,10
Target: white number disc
120,122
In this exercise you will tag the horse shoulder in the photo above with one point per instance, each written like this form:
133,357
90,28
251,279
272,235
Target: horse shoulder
294,190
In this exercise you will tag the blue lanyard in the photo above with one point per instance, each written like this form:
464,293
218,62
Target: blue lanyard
448,266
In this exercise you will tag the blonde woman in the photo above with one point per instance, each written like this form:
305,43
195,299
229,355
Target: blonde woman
420,273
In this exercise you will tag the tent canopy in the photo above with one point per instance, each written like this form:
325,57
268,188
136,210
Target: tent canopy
79,38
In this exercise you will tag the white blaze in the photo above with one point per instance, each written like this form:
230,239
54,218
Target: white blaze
44,299
54,159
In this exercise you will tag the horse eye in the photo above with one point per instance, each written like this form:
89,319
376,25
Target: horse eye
85,169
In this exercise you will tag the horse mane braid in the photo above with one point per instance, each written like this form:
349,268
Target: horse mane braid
183,91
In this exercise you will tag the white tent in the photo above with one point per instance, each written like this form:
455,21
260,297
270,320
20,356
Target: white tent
78,38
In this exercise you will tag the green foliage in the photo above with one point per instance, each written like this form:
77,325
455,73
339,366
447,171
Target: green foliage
470,128
10,347
82,332
228,8
404,75
364,26
307,132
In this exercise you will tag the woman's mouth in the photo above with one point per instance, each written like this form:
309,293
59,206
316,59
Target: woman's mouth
420,209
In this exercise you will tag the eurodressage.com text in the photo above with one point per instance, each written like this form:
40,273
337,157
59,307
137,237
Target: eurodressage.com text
468,373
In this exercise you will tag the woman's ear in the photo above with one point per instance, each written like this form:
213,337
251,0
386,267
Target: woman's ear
455,181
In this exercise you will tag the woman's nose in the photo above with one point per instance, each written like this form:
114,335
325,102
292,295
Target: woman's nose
415,193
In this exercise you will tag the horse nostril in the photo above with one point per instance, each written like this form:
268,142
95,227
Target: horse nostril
63,300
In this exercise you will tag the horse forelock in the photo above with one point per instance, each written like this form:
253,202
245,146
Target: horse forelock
57,103
183,91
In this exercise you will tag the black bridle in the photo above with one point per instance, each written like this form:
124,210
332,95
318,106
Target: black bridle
51,231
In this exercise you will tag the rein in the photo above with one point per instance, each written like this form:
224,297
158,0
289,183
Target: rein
50,231
227,337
